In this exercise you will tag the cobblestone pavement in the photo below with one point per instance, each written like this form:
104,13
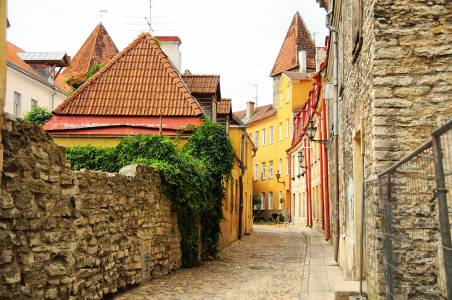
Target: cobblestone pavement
267,264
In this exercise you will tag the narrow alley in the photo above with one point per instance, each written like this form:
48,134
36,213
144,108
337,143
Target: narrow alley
273,262
267,264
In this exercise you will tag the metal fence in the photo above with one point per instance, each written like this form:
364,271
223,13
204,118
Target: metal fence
417,214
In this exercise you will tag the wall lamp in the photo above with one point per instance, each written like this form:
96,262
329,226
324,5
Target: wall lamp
278,176
311,131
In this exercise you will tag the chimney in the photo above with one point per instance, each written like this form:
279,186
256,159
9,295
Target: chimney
170,45
249,109
302,60
320,56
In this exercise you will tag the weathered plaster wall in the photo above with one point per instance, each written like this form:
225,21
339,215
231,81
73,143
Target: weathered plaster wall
78,235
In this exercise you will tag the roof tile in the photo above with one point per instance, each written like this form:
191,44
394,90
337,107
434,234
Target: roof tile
298,38
139,81
201,84
224,107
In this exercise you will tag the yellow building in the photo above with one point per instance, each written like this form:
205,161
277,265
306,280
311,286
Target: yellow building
271,129
271,126
237,206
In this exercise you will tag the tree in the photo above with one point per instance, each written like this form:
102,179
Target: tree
38,115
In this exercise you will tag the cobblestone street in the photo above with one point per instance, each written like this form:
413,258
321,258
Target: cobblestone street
267,264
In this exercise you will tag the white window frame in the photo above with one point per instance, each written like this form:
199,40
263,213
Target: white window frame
264,136
256,139
287,128
280,100
251,136
17,104
264,171
279,200
270,169
280,166
256,172
272,135
33,102
262,200
288,93
280,131
287,166
270,200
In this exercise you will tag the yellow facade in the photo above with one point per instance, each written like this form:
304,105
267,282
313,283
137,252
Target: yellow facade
273,136
74,141
230,225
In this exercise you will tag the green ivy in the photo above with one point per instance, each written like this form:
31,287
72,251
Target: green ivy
38,115
193,178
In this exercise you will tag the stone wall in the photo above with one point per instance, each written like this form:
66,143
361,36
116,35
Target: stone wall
397,91
78,235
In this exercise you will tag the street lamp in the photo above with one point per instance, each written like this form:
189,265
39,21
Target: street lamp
278,176
311,131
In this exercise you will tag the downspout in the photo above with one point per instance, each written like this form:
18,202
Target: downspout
335,135
325,173
242,167
310,183
322,161
307,182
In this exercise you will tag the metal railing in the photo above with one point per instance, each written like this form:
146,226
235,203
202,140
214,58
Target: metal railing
416,209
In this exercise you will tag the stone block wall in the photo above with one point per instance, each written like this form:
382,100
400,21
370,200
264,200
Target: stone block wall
78,235
396,92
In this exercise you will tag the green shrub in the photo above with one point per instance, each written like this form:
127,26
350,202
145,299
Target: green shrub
38,115
192,178
93,158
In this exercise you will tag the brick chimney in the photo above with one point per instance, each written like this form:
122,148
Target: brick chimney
171,46
250,109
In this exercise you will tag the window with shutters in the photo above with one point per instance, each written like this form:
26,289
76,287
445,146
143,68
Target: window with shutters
270,200
17,105
270,169
272,135
264,136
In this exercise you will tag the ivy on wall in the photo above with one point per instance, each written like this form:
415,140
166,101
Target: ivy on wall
193,178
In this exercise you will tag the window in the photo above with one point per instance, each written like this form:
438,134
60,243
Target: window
357,23
288,93
264,138
256,172
251,136
17,105
262,200
34,102
270,200
264,170
280,200
287,166
280,131
280,166
270,169
256,137
300,205
272,135
287,128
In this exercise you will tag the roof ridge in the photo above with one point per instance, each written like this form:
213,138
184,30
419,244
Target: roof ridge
101,71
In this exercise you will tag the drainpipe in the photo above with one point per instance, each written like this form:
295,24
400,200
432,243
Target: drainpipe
322,161
310,183
242,167
325,173
335,135
307,181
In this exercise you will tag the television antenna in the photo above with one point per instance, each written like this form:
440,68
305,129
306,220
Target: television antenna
257,92
101,14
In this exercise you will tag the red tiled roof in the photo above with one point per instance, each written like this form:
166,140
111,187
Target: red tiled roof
224,107
262,112
139,81
12,57
98,48
298,38
114,125
169,39
201,84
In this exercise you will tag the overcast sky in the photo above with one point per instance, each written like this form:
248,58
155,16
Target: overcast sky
238,39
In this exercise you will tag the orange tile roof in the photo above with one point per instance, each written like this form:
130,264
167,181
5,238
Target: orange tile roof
12,57
224,107
201,84
98,48
298,38
262,112
139,81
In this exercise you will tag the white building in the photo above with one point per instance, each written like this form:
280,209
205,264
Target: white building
29,80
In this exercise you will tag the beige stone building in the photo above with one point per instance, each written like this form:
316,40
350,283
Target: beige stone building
389,64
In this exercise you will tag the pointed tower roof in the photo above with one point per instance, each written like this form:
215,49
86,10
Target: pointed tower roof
98,48
139,81
298,38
